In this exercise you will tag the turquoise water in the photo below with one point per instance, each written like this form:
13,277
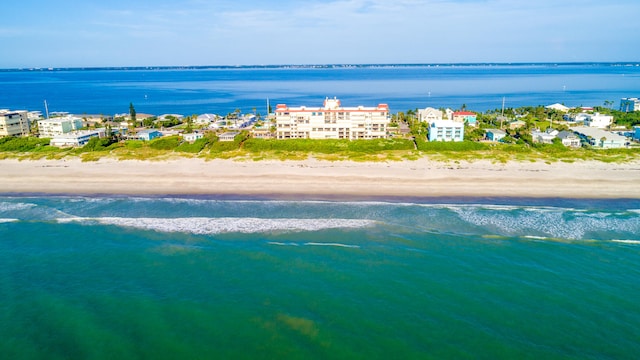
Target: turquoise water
167,278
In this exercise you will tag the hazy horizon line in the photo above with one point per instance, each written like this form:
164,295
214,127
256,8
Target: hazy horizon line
324,66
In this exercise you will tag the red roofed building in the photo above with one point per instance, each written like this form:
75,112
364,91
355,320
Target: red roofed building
465,117
332,121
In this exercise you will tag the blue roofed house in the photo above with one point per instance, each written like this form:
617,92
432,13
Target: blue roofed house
148,134
636,133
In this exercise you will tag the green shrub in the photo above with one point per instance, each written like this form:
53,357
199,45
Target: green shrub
433,146
97,144
328,146
194,147
165,143
22,144
223,146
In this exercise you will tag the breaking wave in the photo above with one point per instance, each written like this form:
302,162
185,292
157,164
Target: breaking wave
204,226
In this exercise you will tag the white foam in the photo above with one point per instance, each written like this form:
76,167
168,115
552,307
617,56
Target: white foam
332,244
9,206
536,237
282,244
635,242
198,225
8,220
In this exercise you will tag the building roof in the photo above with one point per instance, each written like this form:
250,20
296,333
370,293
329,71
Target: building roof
558,106
446,123
331,105
464,113
598,134
496,131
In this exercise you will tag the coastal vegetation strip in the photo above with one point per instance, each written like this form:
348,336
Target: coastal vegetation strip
244,148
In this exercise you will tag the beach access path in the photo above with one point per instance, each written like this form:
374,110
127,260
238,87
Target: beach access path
322,179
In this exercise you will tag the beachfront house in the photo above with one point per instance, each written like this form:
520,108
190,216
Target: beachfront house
629,104
228,136
569,139
262,133
446,130
544,137
148,134
76,138
599,138
466,117
429,115
495,134
49,128
14,123
192,137
206,119
332,121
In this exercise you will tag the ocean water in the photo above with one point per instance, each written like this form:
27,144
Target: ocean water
222,90
201,277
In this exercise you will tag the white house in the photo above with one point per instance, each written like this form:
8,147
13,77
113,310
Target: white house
558,107
191,137
544,137
49,128
76,138
206,119
228,136
429,114
569,139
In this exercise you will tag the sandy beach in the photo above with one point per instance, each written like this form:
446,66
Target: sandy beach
321,179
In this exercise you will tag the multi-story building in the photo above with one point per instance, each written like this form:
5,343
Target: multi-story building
467,117
629,104
446,130
76,138
332,121
14,123
49,128
598,120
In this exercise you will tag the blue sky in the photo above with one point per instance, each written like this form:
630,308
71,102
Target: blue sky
66,33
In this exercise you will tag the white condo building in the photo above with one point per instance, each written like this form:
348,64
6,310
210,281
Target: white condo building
598,120
332,121
14,123
49,128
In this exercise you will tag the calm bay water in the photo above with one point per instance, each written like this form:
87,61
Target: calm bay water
222,90
116,277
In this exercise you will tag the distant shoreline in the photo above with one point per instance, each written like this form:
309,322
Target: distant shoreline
322,66
315,179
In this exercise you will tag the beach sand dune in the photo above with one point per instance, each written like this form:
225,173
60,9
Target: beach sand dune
322,179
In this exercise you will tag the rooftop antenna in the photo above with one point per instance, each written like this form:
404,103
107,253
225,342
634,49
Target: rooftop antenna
46,109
